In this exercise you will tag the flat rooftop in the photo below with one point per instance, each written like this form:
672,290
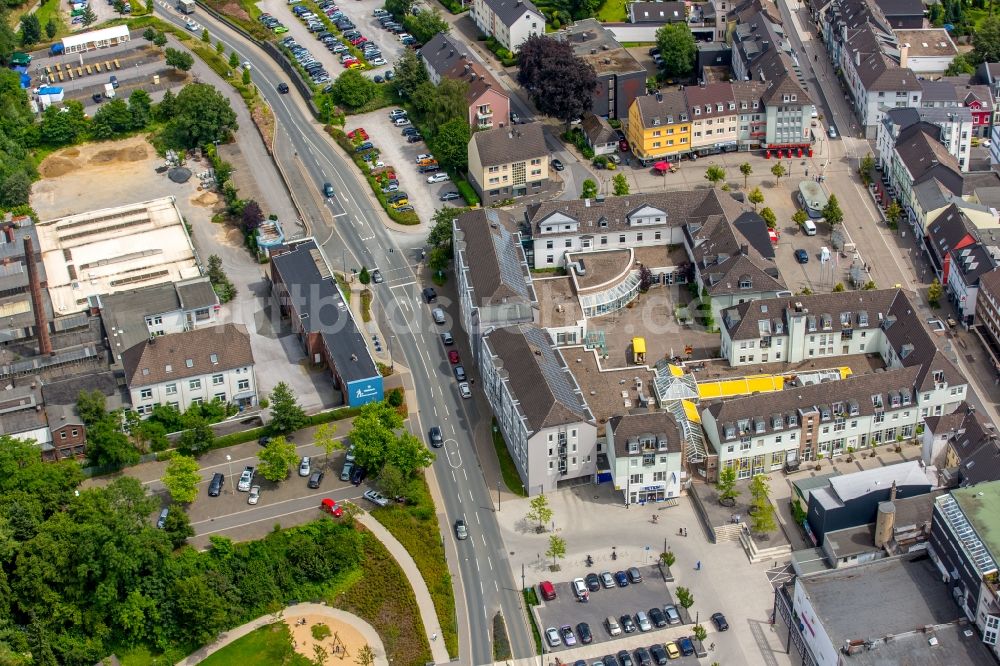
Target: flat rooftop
114,249
557,302
981,505
909,594
852,541
597,46
316,299
608,392
928,42
859,364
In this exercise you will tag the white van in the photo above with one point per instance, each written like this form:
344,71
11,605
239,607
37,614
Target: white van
809,227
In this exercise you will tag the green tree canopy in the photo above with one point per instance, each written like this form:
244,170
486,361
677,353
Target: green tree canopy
111,120
715,174
31,30
588,189
178,59
200,115
409,72
677,48
425,25
986,42
63,125
276,459
353,89
620,182
832,212
286,413
451,144
181,478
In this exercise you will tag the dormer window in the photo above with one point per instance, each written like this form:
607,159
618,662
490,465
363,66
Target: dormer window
719,107
824,413
732,106
939,376
697,110
744,426
743,105
633,446
905,396
603,222
759,425
756,104
746,283
730,431
877,401
776,421
894,399
794,97
793,419
853,408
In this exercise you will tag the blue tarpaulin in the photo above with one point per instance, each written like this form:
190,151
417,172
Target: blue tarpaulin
25,81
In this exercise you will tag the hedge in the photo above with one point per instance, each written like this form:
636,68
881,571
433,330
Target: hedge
467,191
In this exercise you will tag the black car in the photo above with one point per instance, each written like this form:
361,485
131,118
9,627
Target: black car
409,131
609,660
437,439
459,373
367,145
315,480
398,195
642,657
628,624
215,486
593,582
583,631
657,617
634,576
625,659
429,168
358,475
414,138
97,97
263,440
430,295
283,88
659,654
719,620
327,190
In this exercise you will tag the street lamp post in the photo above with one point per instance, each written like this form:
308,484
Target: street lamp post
498,495
229,460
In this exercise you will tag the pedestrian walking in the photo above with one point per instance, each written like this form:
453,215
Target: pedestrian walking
697,567
434,637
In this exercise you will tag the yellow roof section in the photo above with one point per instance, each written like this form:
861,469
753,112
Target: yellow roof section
675,370
691,410
638,345
742,386
845,372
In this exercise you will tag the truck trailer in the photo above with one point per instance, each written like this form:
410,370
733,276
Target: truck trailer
185,6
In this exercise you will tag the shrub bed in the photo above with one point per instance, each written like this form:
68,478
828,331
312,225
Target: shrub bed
467,191
409,218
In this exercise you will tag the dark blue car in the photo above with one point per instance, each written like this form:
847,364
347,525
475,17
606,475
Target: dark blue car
622,579
686,646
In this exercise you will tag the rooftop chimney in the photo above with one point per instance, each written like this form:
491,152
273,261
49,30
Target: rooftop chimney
904,55
9,231
37,304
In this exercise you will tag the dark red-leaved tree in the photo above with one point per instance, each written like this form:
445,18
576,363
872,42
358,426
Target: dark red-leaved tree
561,85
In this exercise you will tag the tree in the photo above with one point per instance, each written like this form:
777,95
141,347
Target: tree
560,84
668,558
839,287
276,459
438,259
699,632
90,405
178,59
399,8
320,655
440,235
832,212
164,111
620,183
160,39
769,217
557,548
746,170
778,170
234,59
539,511
408,454
986,42
286,414
31,30
589,189
865,168
246,78
726,486
425,25
205,37
149,34
376,443
251,217
799,217
108,446
451,144
392,481
677,48
761,511
439,104
869,286
111,120
324,438
220,48
197,437
223,287
364,277
89,17
684,597
645,278
51,28
181,478
63,125
140,106
934,293
177,527
201,115
893,214
755,197
119,6
366,655
353,89
409,73
715,174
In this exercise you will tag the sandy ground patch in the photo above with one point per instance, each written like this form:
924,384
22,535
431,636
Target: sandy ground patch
342,645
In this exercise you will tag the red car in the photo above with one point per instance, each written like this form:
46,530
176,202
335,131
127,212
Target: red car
331,507
359,40
623,146
453,357
360,132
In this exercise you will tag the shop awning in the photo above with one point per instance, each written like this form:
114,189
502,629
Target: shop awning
638,345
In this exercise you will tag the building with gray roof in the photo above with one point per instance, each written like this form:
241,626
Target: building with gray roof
16,306
509,162
890,611
548,428
646,456
488,103
510,22
495,289
964,445
620,77
304,289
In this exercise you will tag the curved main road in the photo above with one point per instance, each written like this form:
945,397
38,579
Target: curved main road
352,234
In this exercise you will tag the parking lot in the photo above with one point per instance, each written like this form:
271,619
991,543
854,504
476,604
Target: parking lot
617,601
396,152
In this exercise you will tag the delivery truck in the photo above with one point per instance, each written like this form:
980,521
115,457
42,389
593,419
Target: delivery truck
185,6
109,91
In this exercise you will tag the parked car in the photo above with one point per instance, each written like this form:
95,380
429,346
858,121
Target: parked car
607,580
304,466
376,497
552,636
580,589
397,113
447,338
659,653
414,138
438,178
377,276
254,495
612,625
464,390
315,480
453,357
345,473
246,479
461,531
429,294
216,484
634,576
686,646
460,376
719,620
593,582
642,620
557,165
583,631
358,475
801,256
450,196
642,657
548,590
673,617
161,522
657,617
624,658
622,579
566,632
438,315
436,437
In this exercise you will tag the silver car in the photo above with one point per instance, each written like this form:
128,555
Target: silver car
304,466
642,620
552,636
254,495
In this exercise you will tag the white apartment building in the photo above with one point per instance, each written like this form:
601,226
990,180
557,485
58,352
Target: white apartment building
544,418
955,135
645,455
509,21
192,367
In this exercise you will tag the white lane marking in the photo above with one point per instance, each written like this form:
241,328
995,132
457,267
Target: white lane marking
453,476
403,284
490,560
339,214
480,523
473,499
465,475
484,541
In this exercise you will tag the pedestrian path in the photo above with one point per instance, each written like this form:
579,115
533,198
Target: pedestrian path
431,626
371,636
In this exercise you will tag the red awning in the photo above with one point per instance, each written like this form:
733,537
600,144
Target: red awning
661,166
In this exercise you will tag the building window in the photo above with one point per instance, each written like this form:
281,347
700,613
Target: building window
171,389
243,385
62,435
621,239
146,393
636,478
221,397
216,380
75,432
194,384
197,401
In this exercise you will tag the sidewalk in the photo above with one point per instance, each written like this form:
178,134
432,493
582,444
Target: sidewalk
371,636
427,614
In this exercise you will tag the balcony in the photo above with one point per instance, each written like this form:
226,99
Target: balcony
484,113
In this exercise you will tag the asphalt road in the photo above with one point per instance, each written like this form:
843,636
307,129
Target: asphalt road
351,230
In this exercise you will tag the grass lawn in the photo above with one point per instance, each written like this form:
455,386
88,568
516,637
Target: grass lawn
416,527
508,471
613,11
268,645
50,10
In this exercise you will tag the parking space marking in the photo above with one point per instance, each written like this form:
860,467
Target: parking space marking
339,214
